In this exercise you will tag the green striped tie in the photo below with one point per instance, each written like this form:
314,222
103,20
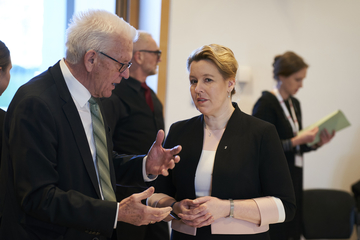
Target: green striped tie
101,151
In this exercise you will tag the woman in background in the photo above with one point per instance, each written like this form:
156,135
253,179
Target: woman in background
280,108
5,66
232,180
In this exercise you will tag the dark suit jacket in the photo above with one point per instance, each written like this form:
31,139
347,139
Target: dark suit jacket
134,126
249,161
133,129
2,117
49,188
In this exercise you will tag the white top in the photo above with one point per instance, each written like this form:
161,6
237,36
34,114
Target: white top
203,176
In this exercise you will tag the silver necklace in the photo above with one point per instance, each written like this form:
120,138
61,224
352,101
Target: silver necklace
207,130
210,133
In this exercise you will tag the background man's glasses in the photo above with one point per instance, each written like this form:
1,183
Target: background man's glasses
123,67
158,52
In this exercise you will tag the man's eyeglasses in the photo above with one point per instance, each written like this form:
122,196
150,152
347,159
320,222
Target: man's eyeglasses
123,67
158,52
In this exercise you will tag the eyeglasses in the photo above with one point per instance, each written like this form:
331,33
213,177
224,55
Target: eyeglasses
158,52
123,67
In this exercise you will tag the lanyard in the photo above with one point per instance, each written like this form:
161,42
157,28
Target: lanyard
293,121
298,161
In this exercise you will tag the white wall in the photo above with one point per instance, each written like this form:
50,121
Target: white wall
326,33
149,20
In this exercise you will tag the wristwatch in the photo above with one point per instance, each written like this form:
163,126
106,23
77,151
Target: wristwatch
231,208
173,214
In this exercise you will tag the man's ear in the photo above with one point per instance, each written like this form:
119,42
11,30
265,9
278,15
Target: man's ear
137,57
90,59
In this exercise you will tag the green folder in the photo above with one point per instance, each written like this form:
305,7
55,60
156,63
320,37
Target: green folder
334,121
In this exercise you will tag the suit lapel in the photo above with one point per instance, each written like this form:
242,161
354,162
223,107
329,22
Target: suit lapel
76,125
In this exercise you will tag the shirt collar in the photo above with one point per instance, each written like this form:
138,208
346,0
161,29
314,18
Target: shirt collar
78,92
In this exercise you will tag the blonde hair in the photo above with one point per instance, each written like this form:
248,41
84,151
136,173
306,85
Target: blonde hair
95,29
221,56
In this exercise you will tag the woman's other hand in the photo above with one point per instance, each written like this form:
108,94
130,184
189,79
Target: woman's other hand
305,137
325,137
207,211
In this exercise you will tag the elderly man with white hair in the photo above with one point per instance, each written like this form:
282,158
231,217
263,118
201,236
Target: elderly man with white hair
58,171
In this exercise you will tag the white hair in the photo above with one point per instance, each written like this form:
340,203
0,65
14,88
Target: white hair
95,29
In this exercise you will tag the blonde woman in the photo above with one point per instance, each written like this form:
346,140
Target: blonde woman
232,181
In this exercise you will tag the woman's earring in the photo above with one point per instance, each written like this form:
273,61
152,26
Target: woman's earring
229,94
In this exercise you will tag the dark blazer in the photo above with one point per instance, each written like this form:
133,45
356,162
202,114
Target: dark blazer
48,183
269,109
249,161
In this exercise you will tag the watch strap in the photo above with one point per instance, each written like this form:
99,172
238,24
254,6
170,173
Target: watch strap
173,214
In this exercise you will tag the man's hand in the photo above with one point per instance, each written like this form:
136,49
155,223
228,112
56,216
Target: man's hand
132,211
159,159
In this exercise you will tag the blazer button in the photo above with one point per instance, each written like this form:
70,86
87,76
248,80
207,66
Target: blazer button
95,238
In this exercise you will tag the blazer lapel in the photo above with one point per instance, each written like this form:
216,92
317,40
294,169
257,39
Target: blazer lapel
227,144
190,156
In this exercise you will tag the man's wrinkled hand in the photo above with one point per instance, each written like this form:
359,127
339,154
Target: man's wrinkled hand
160,160
132,211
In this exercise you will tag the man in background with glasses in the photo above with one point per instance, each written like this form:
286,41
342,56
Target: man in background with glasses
58,172
135,115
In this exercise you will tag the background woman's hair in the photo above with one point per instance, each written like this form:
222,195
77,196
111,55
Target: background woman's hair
287,64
